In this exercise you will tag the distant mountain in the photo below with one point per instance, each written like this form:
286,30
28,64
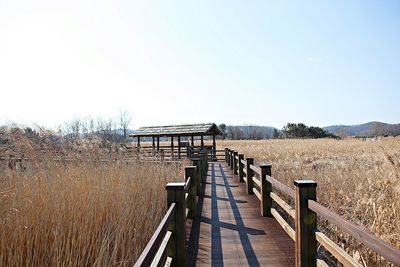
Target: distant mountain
367,129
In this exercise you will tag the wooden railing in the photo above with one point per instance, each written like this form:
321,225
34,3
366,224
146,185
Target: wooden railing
213,155
166,152
306,235
163,153
167,246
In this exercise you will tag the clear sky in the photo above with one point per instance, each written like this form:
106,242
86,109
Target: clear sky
166,62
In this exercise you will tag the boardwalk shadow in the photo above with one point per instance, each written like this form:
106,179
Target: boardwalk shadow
217,224
193,244
223,185
227,199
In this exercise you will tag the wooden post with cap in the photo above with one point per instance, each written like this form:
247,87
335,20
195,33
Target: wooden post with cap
190,172
196,162
305,224
232,161
177,247
235,163
241,166
266,189
249,176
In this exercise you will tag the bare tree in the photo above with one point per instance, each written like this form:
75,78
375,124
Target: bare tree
73,128
91,126
84,127
235,133
125,119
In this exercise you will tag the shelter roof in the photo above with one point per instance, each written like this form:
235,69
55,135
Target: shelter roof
178,130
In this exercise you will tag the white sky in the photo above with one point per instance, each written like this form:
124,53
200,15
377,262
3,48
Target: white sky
65,60
171,62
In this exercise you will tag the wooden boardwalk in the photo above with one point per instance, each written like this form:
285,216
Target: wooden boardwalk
230,231
212,221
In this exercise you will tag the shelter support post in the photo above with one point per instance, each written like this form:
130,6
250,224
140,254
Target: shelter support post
214,147
179,147
172,147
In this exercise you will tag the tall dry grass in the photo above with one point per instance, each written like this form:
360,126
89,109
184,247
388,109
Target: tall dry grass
357,179
82,213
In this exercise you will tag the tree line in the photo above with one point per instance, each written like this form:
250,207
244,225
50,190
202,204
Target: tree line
290,130
245,132
112,130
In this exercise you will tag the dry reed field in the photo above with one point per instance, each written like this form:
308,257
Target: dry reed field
85,214
79,212
359,180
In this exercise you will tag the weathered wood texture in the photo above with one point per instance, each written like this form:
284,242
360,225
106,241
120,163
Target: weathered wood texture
150,250
383,248
178,130
305,224
176,194
231,231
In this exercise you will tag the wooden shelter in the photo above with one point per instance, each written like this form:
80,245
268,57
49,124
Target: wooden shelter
178,131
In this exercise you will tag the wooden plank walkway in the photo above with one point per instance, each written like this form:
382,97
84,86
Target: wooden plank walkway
230,230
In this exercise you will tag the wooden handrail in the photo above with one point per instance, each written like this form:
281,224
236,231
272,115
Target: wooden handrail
256,181
152,246
327,243
289,230
166,148
321,263
181,198
381,247
187,184
284,188
336,251
257,193
285,206
386,250
162,249
256,169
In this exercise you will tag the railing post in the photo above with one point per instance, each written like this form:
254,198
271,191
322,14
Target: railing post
226,155
266,189
177,247
235,163
196,162
190,171
241,166
205,165
232,161
249,176
229,157
201,165
305,224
